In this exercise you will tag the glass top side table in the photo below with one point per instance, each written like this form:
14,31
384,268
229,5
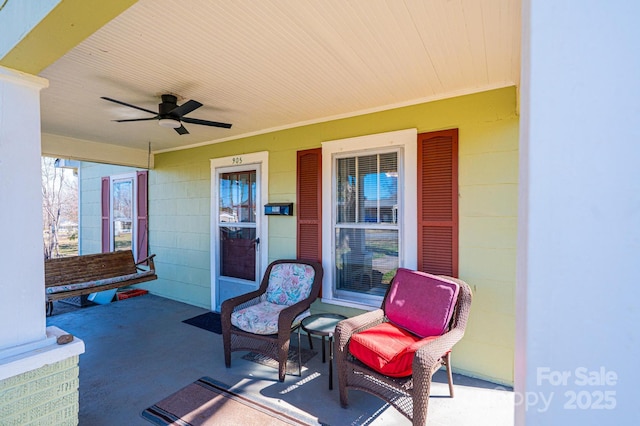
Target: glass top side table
322,325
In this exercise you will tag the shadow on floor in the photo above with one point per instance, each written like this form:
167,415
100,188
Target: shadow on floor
138,351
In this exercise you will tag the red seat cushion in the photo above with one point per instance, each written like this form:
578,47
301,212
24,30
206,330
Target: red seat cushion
387,349
421,303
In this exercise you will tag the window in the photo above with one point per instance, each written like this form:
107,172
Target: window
366,223
124,213
392,202
369,218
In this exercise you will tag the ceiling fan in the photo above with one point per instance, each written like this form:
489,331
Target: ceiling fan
170,114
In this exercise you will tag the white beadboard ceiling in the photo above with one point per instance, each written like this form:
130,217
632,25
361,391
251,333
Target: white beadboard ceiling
271,64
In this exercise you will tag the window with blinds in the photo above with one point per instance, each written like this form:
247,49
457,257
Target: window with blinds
386,200
366,223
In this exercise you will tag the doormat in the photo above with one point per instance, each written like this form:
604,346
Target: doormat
292,359
209,321
208,402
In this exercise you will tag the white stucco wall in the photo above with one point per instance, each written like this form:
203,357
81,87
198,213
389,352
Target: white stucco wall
577,345
22,313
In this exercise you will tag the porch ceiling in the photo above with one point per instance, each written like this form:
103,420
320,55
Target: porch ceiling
273,64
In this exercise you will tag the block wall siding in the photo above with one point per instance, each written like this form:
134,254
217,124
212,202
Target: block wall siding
488,123
179,231
46,396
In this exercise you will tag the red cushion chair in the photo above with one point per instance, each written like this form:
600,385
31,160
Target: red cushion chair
394,351
387,349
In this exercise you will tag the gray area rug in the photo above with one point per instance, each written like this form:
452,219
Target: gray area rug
207,402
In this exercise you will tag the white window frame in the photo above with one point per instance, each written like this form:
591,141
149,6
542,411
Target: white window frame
134,223
405,141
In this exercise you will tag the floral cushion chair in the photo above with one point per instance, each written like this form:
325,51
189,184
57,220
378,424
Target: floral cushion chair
262,321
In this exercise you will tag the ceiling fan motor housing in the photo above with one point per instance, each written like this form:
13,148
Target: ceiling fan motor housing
168,104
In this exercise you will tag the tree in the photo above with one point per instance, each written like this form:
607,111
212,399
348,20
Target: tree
59,203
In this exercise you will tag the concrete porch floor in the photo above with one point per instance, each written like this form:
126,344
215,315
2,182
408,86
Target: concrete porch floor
138,351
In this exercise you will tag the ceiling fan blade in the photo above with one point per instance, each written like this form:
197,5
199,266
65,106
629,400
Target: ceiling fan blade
182,130
129,105
206,123
185,108
137,119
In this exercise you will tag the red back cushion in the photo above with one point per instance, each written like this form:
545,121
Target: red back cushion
421,303
386,348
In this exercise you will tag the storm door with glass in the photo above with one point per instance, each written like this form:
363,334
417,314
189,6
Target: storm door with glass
237,228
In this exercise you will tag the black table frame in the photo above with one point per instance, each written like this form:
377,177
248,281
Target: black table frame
304,326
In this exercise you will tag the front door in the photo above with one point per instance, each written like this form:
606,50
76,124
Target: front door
236,228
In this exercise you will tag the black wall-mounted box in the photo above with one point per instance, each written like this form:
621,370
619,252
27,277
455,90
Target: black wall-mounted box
278,209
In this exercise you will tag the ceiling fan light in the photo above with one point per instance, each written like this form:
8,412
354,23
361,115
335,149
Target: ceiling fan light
169,122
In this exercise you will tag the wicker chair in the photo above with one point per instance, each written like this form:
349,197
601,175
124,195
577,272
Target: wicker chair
242,317
409,394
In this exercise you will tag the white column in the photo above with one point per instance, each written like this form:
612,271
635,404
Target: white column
578,335
22,313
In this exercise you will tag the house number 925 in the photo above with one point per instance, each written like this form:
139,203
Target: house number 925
236,160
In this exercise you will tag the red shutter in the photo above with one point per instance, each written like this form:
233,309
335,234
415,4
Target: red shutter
309,209
142,224
106,196
438,202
